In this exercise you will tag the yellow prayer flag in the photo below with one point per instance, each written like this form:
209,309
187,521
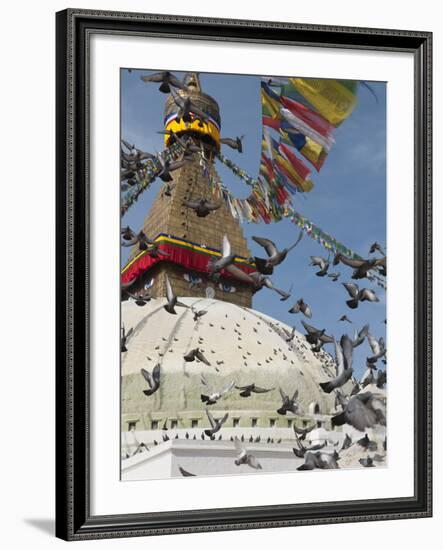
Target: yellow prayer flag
311,150
270,106
304,185
331,98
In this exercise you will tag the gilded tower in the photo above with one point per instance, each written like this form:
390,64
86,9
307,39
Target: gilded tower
188,241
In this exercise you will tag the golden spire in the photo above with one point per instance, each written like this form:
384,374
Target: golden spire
209,130
192,80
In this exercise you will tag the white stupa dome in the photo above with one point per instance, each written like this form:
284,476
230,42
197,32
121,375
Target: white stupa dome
241,344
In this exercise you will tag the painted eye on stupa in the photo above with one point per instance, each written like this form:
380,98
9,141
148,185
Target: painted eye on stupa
149,283
226,287
192,278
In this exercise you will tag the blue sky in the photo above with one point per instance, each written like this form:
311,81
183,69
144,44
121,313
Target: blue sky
348,200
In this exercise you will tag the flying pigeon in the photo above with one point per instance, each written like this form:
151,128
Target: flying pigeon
322,263
259,280
302,432
362,411
214,395
316,336
376,247
289,404
227,258
345,318
124,338
301,305
141,298
216,424
167,167
275,256
320,460
378,348
234,143
361,267
194,354
202,207
245,391
153,379
130,238
334,276
357,295
198,314
243,457
172,299
167,80
343,374
187,110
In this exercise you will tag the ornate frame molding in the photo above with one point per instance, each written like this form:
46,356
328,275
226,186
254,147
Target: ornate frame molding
74,29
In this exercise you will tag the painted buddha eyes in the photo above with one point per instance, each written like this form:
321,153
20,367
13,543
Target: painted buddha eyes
149,283
226,287
192,278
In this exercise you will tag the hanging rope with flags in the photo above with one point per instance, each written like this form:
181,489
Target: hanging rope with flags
146,175
240,211
299,117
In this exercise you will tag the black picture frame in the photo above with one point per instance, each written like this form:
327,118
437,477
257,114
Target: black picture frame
74,27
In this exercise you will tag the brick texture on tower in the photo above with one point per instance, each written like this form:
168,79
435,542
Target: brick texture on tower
169,216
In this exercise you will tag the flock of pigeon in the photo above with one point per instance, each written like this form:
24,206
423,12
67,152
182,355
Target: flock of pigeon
360,408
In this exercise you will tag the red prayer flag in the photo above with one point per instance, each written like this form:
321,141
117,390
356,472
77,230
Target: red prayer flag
298,165
313,119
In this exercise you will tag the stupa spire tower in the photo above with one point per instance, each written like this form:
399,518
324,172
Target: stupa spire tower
191,241
192,81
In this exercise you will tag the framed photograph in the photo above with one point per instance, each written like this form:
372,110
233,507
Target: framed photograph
243,239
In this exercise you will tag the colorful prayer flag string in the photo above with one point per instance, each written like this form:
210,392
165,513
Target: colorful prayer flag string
253,209
146,175
303,113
